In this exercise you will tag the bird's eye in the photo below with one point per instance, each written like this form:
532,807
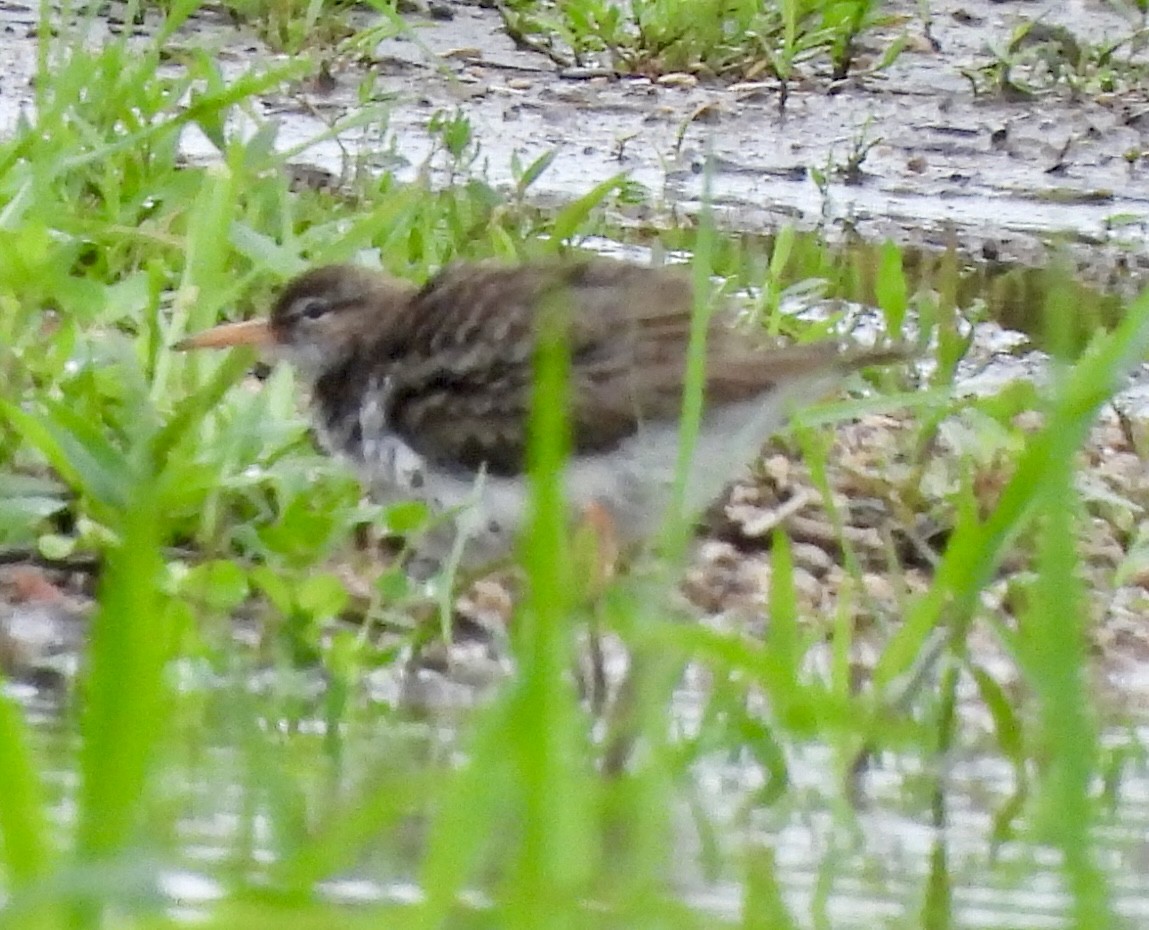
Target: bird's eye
312,308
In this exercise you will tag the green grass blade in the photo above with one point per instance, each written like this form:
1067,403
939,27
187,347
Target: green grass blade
545,727
1053,653
125,698
78,451
196,406
575,214
24,845
677,529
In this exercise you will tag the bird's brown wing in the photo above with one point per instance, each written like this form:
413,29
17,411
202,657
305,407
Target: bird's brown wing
650,312
473,329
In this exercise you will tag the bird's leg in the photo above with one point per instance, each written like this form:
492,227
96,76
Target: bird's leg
596,547
596,555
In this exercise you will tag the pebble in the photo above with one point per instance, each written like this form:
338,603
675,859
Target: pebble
878,587
677,79
812,558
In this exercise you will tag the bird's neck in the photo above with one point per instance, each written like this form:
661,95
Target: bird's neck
339,391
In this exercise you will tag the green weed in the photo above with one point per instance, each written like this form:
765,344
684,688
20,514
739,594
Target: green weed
1043,58
714,38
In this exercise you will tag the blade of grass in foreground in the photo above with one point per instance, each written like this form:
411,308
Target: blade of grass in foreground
124,695
23,824
676,534
1052,650
528,767
545,728
1051,642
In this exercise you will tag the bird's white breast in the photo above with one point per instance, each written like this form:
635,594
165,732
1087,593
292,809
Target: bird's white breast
634,481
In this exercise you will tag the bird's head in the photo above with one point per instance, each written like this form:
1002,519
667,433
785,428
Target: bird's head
319,318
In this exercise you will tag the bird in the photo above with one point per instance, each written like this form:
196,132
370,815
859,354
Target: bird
427,390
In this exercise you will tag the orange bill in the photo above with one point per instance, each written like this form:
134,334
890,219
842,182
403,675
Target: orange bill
247,333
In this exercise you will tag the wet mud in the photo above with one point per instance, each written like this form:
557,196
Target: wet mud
927,151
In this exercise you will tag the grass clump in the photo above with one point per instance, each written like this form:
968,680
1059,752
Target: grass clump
739,40
1044,58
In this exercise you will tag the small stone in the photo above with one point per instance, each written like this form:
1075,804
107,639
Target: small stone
878,587
808,587
777,468
677,79
1029,421
488,604
465,52
814,559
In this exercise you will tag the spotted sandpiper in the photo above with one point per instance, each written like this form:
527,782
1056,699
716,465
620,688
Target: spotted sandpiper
428,390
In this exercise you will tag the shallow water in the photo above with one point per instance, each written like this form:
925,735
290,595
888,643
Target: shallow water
838,865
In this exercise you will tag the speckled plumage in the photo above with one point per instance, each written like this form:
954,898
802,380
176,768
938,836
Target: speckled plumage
428,391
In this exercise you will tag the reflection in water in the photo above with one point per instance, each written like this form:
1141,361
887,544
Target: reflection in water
837,866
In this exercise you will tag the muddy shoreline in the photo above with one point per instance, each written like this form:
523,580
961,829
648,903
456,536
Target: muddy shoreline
1004,179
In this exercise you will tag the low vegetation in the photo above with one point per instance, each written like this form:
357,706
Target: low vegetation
715,38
